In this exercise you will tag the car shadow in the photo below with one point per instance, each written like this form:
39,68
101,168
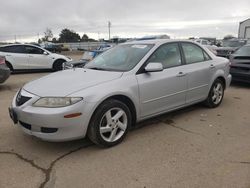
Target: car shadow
168,118
240,85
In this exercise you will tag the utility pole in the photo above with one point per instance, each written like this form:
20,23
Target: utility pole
109,25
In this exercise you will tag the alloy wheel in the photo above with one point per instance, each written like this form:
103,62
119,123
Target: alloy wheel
113,124
217,93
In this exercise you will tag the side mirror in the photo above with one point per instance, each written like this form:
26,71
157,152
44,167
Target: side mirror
154,67
45,53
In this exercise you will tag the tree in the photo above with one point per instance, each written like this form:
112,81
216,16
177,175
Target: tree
85,38
67,35
48,35
39,41
54,40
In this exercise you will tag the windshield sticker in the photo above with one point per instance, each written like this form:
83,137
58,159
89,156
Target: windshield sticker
139,46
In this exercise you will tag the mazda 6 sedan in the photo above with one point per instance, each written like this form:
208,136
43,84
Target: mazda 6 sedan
129,83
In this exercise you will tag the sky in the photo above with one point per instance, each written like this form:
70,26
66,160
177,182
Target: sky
27,20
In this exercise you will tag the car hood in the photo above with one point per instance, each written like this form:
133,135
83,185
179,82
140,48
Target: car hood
66,82
59,56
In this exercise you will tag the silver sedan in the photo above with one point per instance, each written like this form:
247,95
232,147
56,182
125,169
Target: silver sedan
132,82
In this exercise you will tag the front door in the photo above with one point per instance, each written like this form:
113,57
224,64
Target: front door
165,90
37,58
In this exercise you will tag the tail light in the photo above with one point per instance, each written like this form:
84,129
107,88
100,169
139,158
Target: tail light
2,60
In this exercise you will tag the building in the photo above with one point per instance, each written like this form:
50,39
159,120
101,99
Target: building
244,29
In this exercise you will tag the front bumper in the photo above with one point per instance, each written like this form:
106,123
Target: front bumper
240,76
49,123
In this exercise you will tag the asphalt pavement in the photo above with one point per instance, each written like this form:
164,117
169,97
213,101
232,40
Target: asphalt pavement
193,147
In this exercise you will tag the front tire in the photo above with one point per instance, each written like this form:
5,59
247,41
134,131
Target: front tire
216,94
58,65
110,123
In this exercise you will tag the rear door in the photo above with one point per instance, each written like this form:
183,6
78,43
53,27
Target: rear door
199,68
37,58
165,90
16,56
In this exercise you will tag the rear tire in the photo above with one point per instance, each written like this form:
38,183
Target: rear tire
110,123
216,94
58,65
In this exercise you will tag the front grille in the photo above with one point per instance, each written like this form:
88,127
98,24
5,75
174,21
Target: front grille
20,100
25,125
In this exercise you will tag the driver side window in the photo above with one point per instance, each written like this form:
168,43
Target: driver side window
167,54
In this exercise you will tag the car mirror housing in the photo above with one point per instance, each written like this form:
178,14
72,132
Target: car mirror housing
45,53
154,67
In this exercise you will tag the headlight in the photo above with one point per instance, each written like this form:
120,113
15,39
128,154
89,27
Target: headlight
56,102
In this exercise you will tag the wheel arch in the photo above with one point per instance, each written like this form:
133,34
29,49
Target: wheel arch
58,60
9,65
124,99
223,80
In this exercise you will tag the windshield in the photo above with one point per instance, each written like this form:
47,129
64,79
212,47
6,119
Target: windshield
243,51
235,43
121,58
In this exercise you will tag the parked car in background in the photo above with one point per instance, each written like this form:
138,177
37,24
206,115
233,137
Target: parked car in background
208,45
129,83
240,64
52,47
229,46
20,57
202,41
4,70
152,37
88,55
211,40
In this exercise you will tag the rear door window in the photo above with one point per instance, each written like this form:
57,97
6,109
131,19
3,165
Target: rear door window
13,49
193,53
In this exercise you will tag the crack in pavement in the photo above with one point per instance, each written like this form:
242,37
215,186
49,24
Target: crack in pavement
241,162
171,123
45,171
192,132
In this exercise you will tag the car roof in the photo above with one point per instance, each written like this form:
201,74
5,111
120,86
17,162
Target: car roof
19,45
157,41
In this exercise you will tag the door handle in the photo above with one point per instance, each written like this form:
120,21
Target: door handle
181,74
8,55
212,66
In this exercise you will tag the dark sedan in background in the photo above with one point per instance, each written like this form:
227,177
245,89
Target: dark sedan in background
229,46
240,64
4,70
